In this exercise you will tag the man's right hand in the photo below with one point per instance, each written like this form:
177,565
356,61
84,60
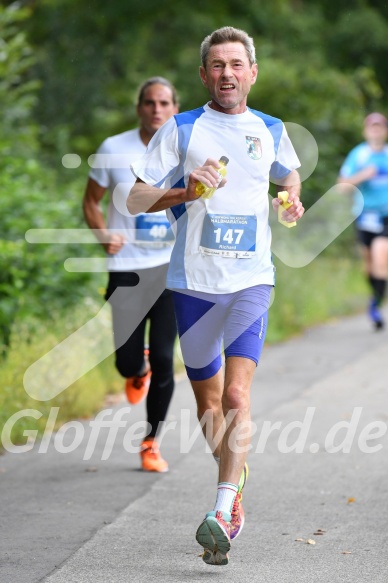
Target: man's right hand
208,175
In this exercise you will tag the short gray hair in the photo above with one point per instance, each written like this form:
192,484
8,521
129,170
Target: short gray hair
155,81
228,34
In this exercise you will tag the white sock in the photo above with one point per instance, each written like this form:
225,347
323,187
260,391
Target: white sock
226,493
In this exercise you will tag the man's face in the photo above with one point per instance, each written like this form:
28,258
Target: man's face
156,108
228,76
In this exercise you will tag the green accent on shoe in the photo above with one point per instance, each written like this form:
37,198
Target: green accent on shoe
238,514
244,477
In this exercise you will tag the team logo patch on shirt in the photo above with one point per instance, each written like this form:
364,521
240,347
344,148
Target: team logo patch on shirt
253,147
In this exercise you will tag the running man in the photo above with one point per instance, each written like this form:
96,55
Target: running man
139,250
221,269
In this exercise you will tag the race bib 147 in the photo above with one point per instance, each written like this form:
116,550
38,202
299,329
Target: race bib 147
229,235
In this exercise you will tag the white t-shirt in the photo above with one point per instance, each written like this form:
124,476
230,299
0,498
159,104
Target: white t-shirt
223,243
149,236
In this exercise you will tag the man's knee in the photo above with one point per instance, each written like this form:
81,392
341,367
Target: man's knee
236,396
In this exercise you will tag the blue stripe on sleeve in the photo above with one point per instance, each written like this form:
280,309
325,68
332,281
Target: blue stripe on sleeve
273,124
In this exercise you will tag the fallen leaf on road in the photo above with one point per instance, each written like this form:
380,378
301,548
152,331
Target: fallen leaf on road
300,540
310,541
319,531
351,500
346,553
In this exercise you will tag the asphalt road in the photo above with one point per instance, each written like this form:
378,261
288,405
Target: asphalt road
318,472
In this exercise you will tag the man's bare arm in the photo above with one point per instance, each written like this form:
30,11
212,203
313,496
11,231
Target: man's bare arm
361,176
94,193
291,183
144,198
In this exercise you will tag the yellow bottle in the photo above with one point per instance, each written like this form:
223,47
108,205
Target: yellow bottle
207,191
286,205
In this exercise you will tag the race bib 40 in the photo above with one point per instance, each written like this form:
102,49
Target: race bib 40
153,230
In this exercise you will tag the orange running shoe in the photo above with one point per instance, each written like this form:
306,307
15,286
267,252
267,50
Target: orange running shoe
136,388
151,460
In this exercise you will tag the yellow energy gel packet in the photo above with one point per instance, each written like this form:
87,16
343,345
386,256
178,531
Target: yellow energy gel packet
284,197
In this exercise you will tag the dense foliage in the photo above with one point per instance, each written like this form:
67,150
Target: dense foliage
33,282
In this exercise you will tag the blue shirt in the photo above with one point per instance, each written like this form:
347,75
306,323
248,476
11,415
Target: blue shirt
375,191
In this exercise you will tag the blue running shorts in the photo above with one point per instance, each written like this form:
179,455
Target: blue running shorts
206,321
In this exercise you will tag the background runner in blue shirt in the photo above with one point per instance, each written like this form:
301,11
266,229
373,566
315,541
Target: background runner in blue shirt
366,167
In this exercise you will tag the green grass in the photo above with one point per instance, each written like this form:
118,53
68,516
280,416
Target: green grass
327,288
81,400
